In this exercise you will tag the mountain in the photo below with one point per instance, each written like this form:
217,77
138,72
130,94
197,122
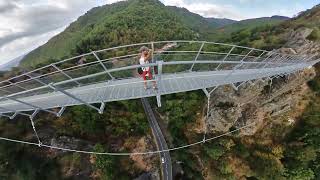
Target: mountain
197,22
225,31
12,63
127,22
220,22
192,20
111,25
252,23
304,26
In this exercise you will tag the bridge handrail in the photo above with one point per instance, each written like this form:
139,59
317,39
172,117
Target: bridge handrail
131,45
135,67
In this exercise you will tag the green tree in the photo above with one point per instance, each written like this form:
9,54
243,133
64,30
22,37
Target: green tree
104,163
88,119
214,151
300,174
315,35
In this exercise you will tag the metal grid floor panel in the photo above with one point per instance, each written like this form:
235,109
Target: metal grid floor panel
133,88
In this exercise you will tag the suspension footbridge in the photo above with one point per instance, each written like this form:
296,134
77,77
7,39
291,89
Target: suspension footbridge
110,74
104,77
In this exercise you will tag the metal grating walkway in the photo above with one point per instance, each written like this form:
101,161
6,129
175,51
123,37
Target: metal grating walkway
133,88
108,74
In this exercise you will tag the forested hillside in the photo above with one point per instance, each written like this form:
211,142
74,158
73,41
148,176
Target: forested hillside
278,150
111,25
127,22
247,24
220,22
274,36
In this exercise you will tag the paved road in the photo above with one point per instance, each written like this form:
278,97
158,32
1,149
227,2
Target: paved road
165,159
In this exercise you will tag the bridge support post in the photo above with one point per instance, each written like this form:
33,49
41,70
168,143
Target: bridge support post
33,126
255,60
283,59
102,107
5,91
61,111
158,100
238,66
14,115
31,105
36,79
268,57
234,87
267,63
4,115
208,94
158,80
15,84
241,84
34,114
65,74
207,117
103,66
199,52
152,51
306,60
74,97
225,57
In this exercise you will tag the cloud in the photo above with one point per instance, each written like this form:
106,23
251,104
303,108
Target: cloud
26,24
7,6
26,44
207,9
213,10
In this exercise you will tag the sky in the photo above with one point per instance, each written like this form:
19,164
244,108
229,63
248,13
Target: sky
27,24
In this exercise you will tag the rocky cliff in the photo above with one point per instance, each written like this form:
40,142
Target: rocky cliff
260,101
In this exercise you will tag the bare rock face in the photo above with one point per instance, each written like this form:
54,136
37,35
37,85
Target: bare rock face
145,163
154,175
253,103
298,42
256,102
225,117
69,143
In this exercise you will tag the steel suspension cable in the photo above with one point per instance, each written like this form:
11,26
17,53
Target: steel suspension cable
125,154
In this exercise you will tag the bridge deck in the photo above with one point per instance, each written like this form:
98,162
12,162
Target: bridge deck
133,88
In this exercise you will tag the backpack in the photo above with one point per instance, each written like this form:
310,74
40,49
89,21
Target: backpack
140,71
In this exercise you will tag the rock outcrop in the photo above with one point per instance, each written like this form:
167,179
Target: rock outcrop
257,101
69,143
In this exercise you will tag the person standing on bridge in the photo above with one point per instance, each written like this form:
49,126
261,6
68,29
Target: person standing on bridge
145,56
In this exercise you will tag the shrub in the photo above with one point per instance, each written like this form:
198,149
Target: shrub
104,163
214,151
315,35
